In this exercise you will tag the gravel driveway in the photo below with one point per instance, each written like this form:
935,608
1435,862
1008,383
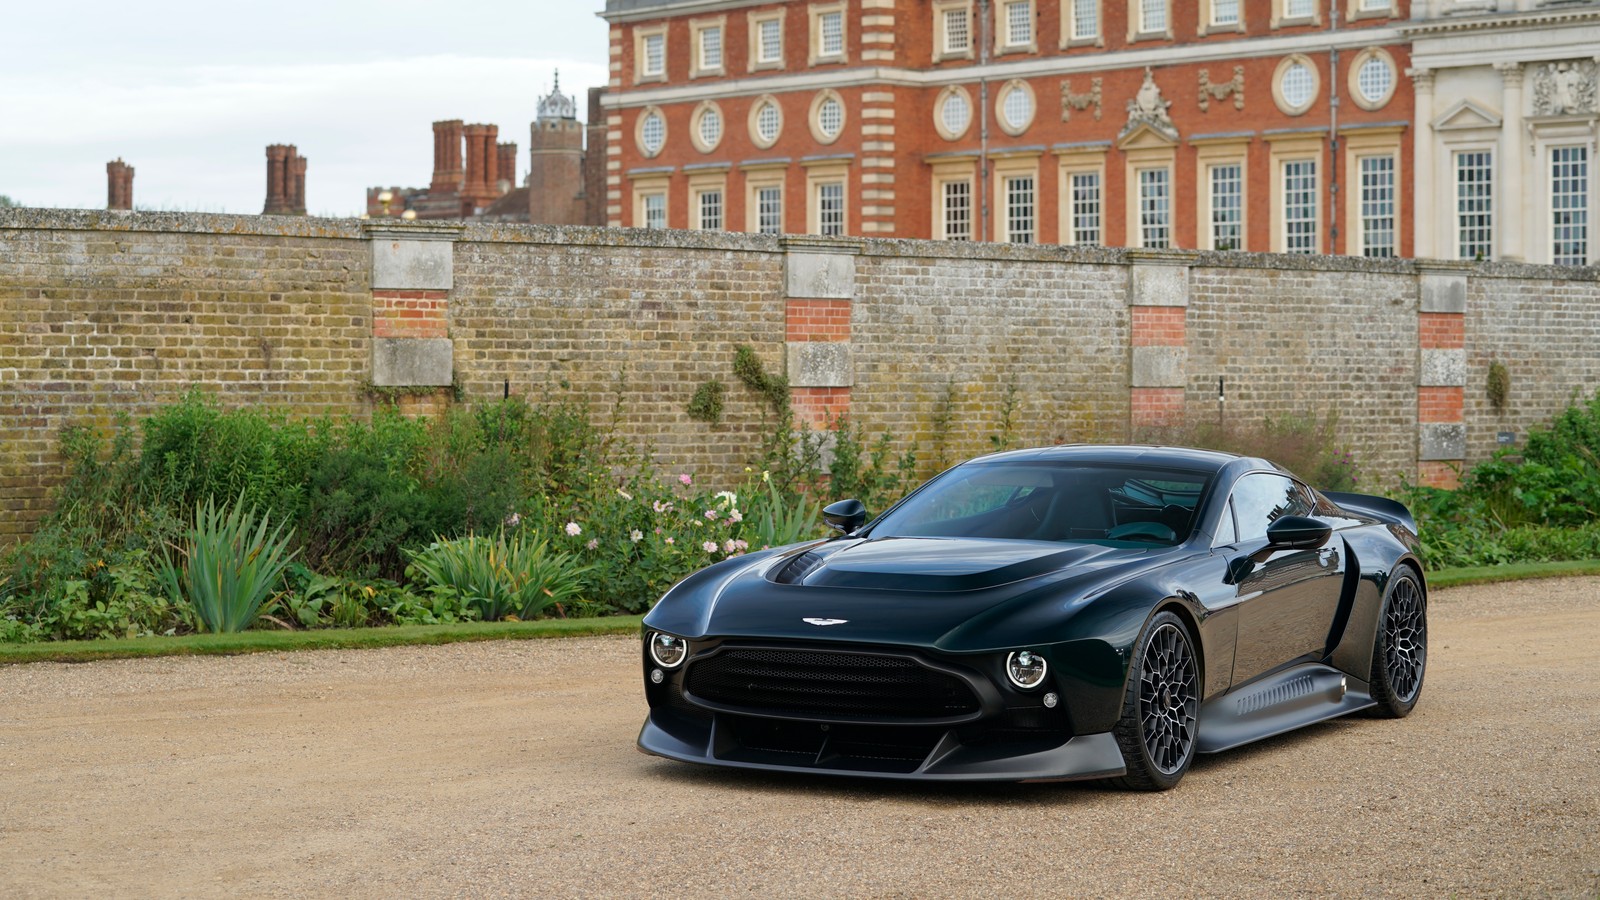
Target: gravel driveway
507,769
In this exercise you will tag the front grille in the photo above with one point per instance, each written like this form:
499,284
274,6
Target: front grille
823,684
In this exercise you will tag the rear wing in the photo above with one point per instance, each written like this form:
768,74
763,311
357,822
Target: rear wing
1380,508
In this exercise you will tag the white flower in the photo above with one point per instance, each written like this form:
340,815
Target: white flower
594,544
636,535
624,494
736,516
574,529
728,498
709,546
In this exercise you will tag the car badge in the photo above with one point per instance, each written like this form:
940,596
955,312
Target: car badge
824,622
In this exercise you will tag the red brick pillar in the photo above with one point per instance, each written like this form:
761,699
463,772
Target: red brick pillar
277,195
447,172
1158,299
506,168
820,288
297,177
119,185
1441,376
478,190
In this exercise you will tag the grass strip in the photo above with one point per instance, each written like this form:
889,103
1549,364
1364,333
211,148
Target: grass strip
1461,577
415,635
319,639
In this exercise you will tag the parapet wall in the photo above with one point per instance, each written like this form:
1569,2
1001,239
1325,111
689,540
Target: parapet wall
935,342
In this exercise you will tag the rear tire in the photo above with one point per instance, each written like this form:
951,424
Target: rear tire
1400,647
1160,707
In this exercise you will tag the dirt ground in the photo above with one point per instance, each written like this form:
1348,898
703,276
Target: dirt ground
508,769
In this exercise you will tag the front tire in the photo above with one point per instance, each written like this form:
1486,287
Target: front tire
1400,647
1160,707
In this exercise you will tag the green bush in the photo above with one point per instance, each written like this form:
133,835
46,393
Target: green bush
230,564
515,576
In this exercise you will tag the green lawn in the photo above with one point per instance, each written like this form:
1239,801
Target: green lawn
360,638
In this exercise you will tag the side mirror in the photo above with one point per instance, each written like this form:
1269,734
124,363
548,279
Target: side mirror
1297,533
845,516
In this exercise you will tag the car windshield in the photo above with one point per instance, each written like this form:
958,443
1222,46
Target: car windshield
1117,506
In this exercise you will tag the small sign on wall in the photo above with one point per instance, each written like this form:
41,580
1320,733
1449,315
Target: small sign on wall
1505,438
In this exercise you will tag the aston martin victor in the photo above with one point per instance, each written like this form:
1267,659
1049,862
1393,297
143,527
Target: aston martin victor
1054,614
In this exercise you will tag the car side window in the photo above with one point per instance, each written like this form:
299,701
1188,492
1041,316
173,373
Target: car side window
1262,498
1226,533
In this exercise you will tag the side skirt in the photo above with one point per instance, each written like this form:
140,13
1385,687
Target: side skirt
1278,703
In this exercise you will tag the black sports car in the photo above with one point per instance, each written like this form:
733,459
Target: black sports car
1053,614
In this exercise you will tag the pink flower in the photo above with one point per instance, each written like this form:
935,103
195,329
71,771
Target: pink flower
671,541
736,516
711,514
594,544
729,547
660,507
685,480
513,520
709,546
573,529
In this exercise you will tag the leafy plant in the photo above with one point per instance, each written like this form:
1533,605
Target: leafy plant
774,521
500,577
706,404
230,564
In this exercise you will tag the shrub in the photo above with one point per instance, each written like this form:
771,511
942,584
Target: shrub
501,577
1305,445
231,562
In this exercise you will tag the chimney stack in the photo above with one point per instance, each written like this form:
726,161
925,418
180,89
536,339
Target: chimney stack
479,190
119,185
446,157
286,181
506,169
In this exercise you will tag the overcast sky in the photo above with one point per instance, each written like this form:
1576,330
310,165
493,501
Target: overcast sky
190,93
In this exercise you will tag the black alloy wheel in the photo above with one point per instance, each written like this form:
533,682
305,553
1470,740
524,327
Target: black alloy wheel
1400,647
1161,708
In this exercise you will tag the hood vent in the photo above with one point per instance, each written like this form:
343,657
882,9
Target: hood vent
796,570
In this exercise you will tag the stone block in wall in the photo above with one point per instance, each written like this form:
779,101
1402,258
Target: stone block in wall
1443,292
1442,441
820,276
1444,368
413,258
1159,282
821,364
413,362
1159,367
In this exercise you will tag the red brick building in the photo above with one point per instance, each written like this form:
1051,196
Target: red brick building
1261,125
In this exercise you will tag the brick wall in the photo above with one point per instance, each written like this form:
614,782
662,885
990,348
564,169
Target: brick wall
106,313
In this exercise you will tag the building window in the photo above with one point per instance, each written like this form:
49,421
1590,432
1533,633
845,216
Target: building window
1474,204
1300,206
706,127
652,134
1227,207
1085,20
1155,208
957,211
1021,209
827,33
708,208
1152,17
1224,12
953,113
769,41
1372,78
1295,85
1377,206
708,49
655,210
830,208
1016,107
827,117
1299,9
655,55
766,122
957,32
769,210
1017,33
1569,205
1086,208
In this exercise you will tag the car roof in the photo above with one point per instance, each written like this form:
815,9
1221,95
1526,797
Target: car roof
1125,454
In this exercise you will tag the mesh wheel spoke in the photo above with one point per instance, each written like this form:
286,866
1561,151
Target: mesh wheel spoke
1168,700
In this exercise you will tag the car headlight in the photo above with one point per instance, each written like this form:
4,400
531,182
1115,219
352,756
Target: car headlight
1025,669
666,650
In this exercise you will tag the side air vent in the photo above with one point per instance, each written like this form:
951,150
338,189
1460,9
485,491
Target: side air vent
796,570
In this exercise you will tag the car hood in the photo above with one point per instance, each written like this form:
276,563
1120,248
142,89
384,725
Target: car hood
887,590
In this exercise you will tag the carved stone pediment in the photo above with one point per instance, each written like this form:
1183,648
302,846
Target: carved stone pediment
1565,88
1148,109
1466,115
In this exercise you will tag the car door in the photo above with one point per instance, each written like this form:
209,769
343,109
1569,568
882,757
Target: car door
1287,598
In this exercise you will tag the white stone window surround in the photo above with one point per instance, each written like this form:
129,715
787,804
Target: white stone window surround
650,54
